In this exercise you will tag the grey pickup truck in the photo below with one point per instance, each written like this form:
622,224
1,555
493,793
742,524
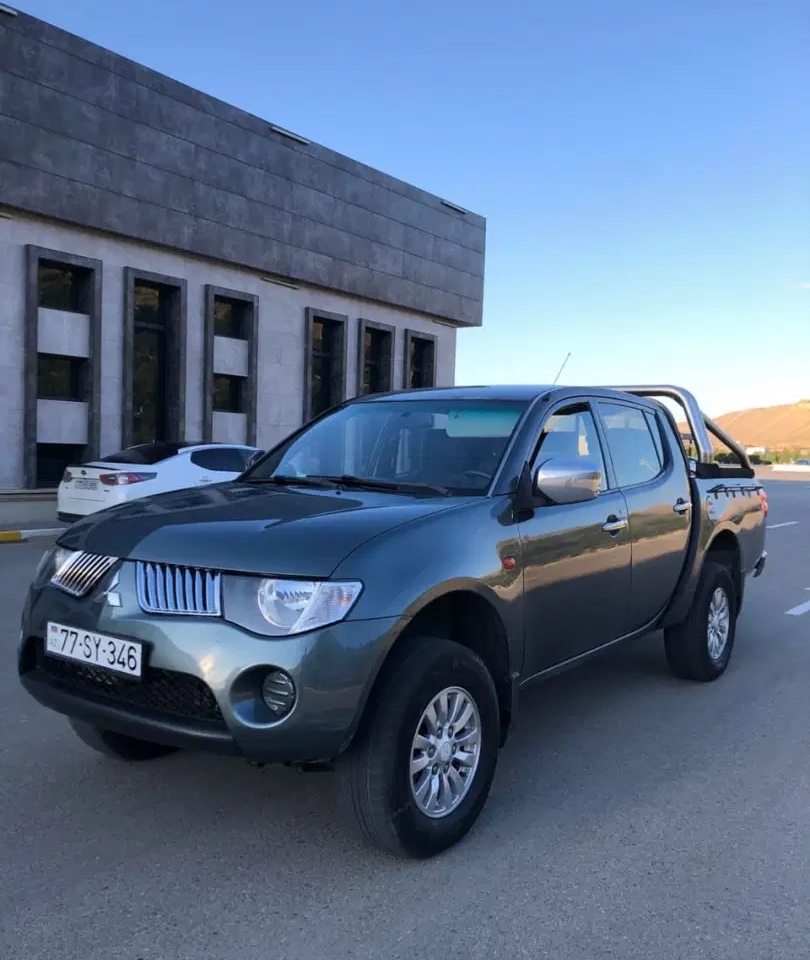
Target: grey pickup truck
377,591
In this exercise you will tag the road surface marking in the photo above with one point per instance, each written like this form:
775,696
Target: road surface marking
798,611
776,526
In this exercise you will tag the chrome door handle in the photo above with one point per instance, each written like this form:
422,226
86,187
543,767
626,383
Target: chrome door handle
614,525
681,506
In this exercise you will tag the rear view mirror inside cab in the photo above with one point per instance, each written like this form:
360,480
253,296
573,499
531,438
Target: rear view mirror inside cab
481,423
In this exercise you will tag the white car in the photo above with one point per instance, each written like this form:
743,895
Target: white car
143,470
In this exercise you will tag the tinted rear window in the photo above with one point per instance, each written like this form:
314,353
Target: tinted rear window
145,453
222,459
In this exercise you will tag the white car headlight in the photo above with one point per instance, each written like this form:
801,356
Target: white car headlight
281,608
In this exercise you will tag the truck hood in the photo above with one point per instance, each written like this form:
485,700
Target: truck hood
251,529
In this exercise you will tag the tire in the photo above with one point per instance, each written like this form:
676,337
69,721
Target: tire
374,775
117,744
690,651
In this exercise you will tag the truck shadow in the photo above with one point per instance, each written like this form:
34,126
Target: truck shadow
595,750
238,810
189,796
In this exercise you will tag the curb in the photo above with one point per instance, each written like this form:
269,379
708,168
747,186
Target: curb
20,536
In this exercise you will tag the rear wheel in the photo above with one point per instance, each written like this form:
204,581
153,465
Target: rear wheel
420,770
700,647
117,744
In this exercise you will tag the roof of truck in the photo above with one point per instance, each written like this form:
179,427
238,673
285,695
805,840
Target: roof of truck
482,392
496,391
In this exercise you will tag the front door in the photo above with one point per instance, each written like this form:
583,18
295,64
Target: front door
577,557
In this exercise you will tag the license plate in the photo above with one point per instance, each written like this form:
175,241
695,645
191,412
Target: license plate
96,649
83,483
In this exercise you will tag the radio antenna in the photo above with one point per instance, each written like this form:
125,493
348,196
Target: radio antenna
559,372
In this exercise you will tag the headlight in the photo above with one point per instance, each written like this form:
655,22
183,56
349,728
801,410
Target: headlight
281,608
52,562
44,563
61,557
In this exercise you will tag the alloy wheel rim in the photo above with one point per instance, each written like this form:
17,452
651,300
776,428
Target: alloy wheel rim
719,624
445,752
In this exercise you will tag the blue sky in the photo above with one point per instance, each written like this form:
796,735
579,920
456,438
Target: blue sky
644,167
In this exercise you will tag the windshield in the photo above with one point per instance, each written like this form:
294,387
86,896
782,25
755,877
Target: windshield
451,444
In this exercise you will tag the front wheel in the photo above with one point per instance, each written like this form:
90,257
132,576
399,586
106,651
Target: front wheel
420,770
117,745
700,647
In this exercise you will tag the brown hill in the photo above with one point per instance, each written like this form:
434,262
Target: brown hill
777,428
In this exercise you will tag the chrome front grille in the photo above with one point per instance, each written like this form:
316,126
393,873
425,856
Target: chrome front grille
81,573
168,588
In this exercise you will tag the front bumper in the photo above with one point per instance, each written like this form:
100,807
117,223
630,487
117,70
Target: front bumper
202,680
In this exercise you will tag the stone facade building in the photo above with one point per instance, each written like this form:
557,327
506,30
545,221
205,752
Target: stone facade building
174,268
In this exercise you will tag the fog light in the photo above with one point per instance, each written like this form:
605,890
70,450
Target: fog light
278,692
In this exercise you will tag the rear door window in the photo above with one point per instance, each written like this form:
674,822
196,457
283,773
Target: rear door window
636,451
655,431
220,459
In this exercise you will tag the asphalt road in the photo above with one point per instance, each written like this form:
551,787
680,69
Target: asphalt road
633,816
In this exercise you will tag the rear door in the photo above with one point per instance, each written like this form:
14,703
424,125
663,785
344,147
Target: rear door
651,474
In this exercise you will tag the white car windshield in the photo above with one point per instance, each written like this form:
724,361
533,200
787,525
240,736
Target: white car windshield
454,446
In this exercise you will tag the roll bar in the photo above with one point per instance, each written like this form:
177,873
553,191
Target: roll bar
700,425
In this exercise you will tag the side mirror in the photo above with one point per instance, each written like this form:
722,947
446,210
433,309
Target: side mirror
254,458
567,481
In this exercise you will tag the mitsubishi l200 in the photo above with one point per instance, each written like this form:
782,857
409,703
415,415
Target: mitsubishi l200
378,590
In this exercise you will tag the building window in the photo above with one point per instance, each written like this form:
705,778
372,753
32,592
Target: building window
151,305
51,461
150,371
60,378
61,287
374,362
326,372
61,281
230,371
154,358
229,318
229,393
420,360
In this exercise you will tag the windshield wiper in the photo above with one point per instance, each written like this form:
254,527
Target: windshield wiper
370,483
285,480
